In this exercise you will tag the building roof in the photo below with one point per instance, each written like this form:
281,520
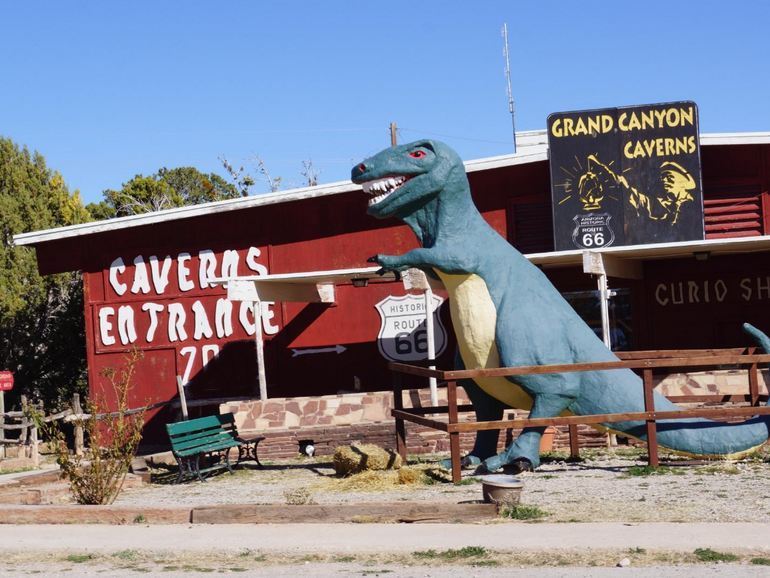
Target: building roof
532,147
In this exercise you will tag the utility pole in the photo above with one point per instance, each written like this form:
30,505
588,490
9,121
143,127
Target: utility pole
393,140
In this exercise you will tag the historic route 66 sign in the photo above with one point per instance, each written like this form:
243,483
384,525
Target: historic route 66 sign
592,231
403,336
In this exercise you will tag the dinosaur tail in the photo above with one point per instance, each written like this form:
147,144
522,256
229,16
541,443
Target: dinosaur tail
698,436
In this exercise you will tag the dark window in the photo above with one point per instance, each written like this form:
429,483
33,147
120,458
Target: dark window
587,305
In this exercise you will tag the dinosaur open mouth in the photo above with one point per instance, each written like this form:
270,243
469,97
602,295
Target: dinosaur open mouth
383,188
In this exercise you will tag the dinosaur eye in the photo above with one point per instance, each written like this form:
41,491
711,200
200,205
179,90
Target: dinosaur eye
418,154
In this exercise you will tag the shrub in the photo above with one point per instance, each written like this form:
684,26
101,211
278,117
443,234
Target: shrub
97,476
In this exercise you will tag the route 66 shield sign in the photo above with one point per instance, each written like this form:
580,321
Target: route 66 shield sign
403,336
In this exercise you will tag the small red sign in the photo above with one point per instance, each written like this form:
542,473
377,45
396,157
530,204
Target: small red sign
6,380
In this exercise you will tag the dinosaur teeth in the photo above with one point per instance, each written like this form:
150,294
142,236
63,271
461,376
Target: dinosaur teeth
382,188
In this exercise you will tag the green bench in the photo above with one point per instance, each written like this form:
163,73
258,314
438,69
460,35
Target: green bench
196,442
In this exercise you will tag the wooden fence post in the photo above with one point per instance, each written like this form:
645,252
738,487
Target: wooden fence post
574,443
2,424
454,437
23,434
33,449
652,430
398,403
78,410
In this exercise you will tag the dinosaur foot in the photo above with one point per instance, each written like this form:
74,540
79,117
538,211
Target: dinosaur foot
518,466
514,467
466,462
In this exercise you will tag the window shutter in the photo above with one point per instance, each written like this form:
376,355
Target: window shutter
531,229
733,212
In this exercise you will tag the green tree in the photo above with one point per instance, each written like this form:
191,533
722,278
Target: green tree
41,318
166,189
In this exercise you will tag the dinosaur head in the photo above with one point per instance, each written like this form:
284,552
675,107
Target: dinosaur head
402,179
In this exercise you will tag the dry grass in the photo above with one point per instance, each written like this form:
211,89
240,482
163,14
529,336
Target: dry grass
245,560
374,480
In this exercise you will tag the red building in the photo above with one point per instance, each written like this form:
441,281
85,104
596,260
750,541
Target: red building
148,278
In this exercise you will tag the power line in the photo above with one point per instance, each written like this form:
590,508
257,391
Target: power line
431,133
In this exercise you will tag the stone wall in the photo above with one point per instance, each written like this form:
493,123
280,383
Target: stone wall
334,420
331,421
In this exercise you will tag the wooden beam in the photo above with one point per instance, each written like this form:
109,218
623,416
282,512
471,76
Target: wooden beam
253,290
723,412
389,512
432,423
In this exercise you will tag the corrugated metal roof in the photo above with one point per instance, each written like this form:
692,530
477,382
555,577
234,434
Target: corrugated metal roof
533,147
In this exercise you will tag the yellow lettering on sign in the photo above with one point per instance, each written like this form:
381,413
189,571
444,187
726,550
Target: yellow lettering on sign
556,129
659,147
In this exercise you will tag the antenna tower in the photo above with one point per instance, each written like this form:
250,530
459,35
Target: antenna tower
511,108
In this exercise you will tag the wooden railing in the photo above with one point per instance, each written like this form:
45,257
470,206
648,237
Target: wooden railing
22,421
646,362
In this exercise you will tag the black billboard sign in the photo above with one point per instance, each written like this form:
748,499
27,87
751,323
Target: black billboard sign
625,176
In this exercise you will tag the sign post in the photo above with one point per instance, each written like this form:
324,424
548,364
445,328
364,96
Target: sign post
6,384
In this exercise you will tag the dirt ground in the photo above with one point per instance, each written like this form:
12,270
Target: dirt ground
611,485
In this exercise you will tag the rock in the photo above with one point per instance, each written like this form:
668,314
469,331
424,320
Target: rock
624,563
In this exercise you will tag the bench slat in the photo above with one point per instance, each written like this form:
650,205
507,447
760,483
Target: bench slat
210,421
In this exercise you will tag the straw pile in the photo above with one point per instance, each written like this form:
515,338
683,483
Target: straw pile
357,458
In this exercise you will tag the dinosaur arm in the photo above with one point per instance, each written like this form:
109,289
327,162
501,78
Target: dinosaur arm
423,258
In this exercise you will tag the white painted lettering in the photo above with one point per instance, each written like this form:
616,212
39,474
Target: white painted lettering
117,267
266,308
126,326
720,290
223,318
746,289
246,311
763,288
160,274
184,352
660,294
209,352
693,290
202,326
153,309
105,326
176,319
251,261
141,278
183,272
207,269
677,300
230,261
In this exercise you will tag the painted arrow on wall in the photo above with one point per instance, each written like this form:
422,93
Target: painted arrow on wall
311,350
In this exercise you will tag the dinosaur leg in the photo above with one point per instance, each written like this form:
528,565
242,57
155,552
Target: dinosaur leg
487,408
524,453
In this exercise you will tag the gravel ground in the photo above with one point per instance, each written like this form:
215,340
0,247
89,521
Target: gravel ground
605,486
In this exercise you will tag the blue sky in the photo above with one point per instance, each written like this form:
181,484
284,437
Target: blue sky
106,90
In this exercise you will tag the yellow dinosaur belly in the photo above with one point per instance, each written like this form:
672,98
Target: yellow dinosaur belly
474,319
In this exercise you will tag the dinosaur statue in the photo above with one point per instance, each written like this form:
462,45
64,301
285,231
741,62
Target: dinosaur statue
505,312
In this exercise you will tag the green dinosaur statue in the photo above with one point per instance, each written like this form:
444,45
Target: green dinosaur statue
505,312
